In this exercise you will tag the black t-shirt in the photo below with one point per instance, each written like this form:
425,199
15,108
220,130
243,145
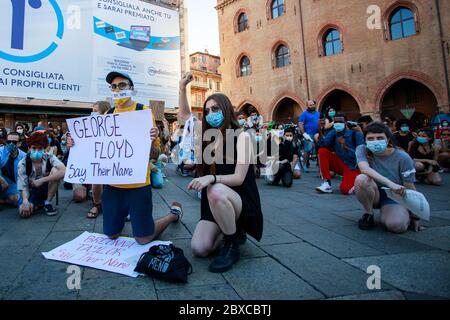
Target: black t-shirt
287,151
8,169
403,141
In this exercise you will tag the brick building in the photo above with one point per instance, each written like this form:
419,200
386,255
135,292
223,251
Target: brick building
31,110
207,79
377,57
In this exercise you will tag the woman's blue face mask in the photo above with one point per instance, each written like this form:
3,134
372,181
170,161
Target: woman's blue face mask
215,119
37,155
422,140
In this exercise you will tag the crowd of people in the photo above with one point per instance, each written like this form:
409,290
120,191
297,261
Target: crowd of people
369,156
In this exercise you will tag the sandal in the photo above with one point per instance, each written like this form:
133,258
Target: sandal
176,210
93,215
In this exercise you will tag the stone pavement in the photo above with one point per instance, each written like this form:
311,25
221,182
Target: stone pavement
311,249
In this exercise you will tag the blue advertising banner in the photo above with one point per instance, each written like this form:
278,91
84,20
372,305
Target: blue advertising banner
63,49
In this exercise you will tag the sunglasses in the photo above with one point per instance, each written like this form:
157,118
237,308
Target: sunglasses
120,86
13,142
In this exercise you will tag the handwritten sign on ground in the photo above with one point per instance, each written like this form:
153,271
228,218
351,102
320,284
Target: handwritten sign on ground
110,149
99,252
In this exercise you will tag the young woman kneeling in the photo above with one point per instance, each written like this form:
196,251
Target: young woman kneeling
384,165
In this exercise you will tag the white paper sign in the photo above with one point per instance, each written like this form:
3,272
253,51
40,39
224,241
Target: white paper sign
99,252
110,149
414,201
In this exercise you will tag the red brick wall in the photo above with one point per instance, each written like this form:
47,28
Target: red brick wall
367,68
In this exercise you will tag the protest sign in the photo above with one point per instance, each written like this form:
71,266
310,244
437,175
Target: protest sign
158,108
414,201
110,149
99,252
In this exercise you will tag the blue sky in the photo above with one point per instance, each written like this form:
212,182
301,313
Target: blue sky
203,26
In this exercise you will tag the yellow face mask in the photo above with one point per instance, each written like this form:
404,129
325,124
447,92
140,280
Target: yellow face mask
122,97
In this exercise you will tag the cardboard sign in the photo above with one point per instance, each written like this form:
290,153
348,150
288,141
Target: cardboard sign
99,252
110,149
158,108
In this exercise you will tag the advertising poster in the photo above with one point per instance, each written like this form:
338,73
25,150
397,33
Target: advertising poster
63,49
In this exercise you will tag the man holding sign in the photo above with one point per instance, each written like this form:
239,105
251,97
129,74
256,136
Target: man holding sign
135,199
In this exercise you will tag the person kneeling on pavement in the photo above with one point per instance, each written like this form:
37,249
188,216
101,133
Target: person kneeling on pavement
287,160
39,175
133,200
384,165
337,154
10,156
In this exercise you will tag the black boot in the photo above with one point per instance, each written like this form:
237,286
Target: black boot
242,237
229,255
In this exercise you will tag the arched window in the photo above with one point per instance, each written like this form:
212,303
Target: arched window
242,22
277,8
402,23
332,43
282,56
245,67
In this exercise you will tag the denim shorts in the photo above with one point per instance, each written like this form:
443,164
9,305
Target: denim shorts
384,199
308,146
11,191
118,203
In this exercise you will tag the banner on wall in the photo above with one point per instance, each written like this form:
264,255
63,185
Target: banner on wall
63,49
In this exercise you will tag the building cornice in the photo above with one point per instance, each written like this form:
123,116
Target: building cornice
225,3
205,72
204,54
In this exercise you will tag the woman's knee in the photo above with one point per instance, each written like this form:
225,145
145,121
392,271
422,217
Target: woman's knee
420,166
435,179
216,195
201,249
396,226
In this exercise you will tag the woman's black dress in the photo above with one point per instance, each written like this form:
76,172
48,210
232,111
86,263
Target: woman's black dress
251,218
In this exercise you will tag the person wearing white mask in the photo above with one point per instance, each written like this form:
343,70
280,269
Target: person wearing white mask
337,154
384,165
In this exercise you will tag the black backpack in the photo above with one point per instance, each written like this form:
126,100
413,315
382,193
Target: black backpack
139,107
165,262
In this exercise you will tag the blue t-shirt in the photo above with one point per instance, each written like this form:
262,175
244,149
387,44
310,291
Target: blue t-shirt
310,121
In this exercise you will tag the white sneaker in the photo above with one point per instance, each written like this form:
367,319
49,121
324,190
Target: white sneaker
325,188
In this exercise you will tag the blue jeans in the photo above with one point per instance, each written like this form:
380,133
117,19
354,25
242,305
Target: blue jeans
157,177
